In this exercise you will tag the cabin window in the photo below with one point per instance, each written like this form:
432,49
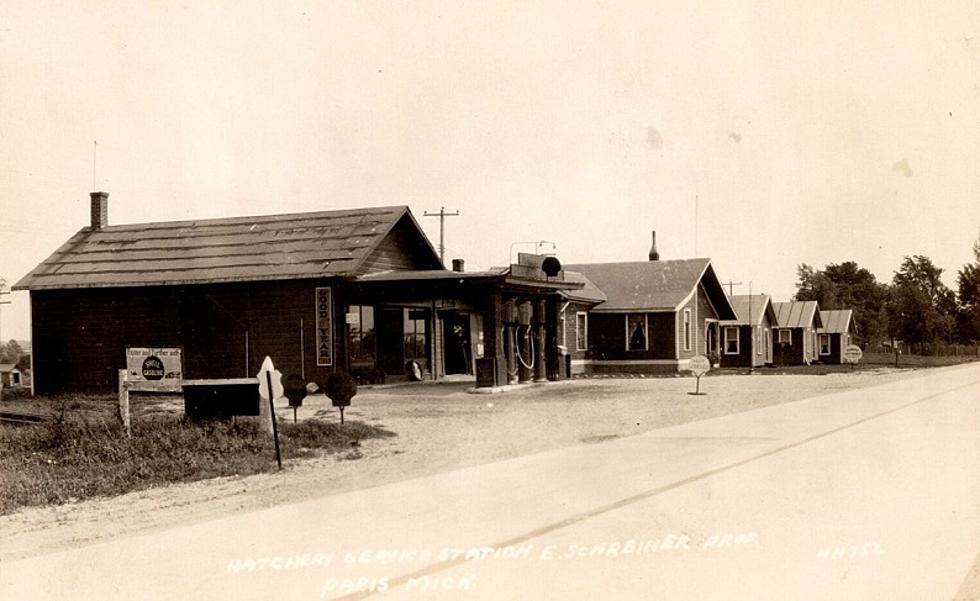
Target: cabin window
636,332
731,340
824,344
360,324
785,336
758,341
687,329
581,331
414,334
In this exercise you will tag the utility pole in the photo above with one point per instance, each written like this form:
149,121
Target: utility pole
442,214
730,283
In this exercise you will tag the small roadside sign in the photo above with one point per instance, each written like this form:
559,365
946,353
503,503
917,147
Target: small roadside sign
698,365
853,354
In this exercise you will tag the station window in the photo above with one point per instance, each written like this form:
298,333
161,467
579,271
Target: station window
785,336
636,332
731,340
416,321
581,331
360,328
687,329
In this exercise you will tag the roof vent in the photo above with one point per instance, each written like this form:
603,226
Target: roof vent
458,265
654,255
100,210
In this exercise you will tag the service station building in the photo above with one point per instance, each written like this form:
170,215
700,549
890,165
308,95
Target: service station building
357,290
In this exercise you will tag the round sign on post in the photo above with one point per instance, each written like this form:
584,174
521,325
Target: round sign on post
698,365
853,354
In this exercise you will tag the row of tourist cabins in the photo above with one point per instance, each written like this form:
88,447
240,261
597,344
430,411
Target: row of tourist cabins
364,291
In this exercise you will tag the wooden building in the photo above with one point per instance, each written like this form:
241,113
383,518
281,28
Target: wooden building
360,290
656,314
747,341
795,340
11,376
835,335
573,324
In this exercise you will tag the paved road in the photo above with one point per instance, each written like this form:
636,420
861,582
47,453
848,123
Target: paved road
869,494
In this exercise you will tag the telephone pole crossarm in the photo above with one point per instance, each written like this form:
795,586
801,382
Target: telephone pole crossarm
442,214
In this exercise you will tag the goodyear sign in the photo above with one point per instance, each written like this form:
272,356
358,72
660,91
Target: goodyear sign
324,327
164,365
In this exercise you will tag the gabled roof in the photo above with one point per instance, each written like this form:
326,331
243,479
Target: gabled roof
837,321
760,305
6,367
269,247
654,285
589,293
797,314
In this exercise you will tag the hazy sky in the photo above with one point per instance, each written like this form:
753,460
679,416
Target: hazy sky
819,133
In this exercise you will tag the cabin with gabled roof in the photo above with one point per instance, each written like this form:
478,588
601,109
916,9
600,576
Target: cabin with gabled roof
796,332
835,335
747,341
656,315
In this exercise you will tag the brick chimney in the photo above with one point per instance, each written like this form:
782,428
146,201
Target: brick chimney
654,255
458,265
100,210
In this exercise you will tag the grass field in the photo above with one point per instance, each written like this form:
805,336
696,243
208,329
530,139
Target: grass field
80,451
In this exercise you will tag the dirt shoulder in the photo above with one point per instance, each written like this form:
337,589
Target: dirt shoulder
440,427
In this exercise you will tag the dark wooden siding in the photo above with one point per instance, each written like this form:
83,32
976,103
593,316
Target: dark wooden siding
80,336
793,355
403,248
607,337
745,354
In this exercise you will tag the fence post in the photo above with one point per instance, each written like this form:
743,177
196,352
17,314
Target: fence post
124,403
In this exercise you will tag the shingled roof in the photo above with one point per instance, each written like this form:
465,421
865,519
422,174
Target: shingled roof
270,247
654,285
589,292
797,314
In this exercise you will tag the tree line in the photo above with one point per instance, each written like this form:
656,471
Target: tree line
13,353
915,307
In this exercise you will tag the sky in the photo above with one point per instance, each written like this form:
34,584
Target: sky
759,134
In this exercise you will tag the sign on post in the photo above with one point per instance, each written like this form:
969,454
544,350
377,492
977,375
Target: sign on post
853,354
270,388
698,365
154,365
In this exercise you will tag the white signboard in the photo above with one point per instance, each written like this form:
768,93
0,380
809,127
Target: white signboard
699,365
145,364
324,327
853,353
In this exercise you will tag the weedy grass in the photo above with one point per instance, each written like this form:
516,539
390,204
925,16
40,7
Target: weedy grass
79,454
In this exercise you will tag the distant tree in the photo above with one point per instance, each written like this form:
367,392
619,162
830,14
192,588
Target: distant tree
968,315
24,363
11,352
921,308
847,286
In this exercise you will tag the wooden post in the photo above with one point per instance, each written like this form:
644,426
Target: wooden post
540,342
272,409
124,403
